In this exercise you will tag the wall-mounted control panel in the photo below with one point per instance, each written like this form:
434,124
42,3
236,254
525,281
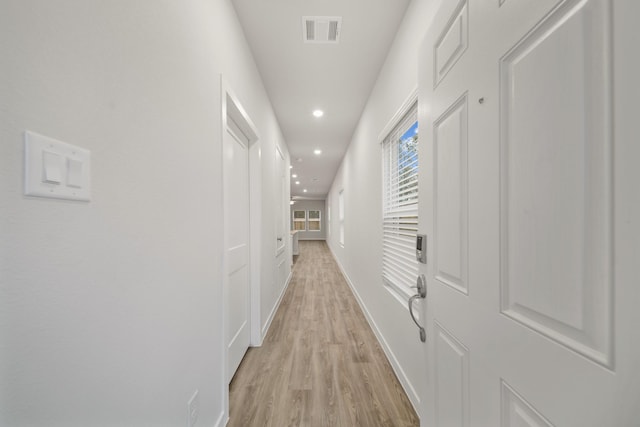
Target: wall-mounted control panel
55,169
421,248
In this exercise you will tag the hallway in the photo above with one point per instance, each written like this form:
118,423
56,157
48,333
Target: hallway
320,363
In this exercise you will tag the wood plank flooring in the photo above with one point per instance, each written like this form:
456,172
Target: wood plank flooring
320,363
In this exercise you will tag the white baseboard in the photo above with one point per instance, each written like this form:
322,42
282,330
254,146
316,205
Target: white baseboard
413,395
267,324
222,420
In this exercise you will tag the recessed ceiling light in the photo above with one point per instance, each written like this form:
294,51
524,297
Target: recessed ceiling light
317,151
297,182
304,191
290,167
318,113
294,176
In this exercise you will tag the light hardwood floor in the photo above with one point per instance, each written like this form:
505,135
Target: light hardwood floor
320,363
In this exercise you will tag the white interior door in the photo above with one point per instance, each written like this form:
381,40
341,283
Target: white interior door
236,207
529,153
282,231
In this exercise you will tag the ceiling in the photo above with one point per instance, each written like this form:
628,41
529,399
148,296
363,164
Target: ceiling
301,77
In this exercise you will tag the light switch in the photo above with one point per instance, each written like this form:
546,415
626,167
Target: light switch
51,165
55,169
74,173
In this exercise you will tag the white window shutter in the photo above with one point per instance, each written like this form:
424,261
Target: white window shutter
400,204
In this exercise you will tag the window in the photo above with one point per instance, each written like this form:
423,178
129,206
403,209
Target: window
300,220
341,217
400,203
313,223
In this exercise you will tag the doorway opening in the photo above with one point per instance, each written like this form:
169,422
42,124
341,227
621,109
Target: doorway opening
241,270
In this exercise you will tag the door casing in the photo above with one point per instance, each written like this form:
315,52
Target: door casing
234,116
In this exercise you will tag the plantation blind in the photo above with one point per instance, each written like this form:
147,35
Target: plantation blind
400,203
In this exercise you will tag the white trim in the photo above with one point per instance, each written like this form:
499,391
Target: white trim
412,393
255,228
267,324
237,113
222,420
399,114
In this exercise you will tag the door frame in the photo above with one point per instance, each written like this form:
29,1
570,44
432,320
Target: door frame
233,111
281,182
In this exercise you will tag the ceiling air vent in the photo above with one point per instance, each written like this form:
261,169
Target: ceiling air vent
321,29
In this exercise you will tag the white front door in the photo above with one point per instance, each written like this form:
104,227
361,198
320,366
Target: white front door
530,200
236,207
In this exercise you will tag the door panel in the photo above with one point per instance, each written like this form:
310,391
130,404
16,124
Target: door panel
452,42
452,379
519,206
556,180
236,205
450,196
517,412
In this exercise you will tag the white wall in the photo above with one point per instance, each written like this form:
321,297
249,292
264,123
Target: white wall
110,311
306,205
360,177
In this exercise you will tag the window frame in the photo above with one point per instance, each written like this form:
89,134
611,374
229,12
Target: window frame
399,202
310,220
298,220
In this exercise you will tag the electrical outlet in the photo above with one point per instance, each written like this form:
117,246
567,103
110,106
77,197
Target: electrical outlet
193,408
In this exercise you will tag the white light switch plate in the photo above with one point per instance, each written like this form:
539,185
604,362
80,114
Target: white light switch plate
55,169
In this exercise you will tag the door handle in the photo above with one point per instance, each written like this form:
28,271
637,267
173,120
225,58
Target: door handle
421,286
